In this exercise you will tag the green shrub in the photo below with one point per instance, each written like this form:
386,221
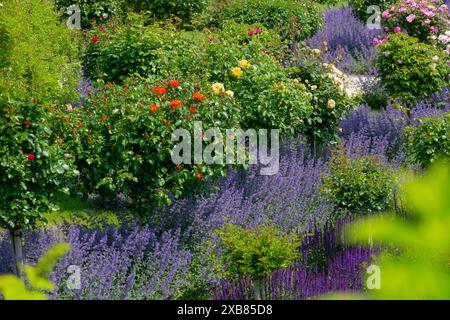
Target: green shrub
429,140
38,55
163,9
410,69
359,7
33,167
293,19
266,97
254,252
358,185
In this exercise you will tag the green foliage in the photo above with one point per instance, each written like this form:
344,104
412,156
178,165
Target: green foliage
420,270
410,69
293,19
93,11
254,252
358,185
359,7
124,51
429,140
33,167
122,139
163,9
13,288
38,55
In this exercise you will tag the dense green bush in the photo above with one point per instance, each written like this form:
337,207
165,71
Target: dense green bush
254,252
113,52
429,140
293,19
410,69
359,7
358,185
37,55
33,167
163,9
122,139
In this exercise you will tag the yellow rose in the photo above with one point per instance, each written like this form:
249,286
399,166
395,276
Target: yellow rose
331,104
237,72
218,88
244,64
315,51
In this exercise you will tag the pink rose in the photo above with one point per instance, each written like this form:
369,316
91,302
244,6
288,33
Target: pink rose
411,18
386,14
426,21
397,29
434,29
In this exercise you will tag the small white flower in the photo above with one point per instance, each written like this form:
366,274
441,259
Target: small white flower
229,93
105,16
435,58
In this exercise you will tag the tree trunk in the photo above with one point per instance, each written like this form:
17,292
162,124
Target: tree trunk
16,242
259,289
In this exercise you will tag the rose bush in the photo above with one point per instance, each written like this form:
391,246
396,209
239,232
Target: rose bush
410,69
425,20
122,138
33,166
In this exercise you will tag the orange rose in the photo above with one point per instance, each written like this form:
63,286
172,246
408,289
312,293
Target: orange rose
174,83
175,104
199,97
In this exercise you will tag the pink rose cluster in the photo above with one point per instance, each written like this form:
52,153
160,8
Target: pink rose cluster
423,19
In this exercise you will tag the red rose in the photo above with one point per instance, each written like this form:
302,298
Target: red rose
174,83
27,123
199,97
31,157
80,123
199,176
95,39
193,110
101,28
160,90
103,117
175,104
188,118
154,107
